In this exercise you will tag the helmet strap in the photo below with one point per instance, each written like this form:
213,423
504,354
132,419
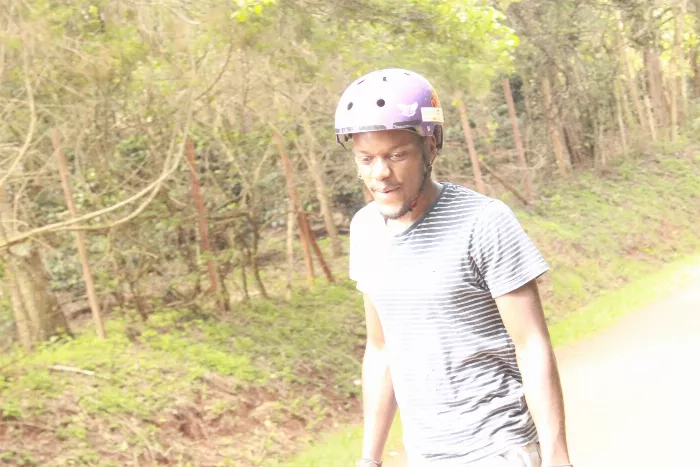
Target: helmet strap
426,176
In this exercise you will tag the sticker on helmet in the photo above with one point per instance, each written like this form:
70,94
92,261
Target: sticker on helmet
432,114
434,99
408,110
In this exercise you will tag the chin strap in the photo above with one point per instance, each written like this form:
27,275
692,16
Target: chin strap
426,176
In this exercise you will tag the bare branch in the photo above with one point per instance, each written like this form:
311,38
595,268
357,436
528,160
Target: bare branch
32,120
221,72
153,188
71,369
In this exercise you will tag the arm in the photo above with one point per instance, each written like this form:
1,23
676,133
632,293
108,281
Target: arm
521,311
377,388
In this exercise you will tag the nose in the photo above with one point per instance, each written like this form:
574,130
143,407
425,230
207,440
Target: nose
380,169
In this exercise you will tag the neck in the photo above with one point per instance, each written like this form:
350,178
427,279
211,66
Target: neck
427,197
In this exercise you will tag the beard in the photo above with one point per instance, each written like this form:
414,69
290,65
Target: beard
395,214
391,213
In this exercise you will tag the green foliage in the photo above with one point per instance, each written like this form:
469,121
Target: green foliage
76,431
7,324
305,353
23,458
121,81
10,409
299,351
39,381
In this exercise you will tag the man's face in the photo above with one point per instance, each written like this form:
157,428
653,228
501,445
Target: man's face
392,166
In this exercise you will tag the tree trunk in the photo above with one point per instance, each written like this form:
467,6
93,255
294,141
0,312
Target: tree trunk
304,221
652,122
675,66
656,89
620,119
632,86
306,245
201,217
190,257
695,63
628,70
629,117
224,293
290,248
79,237
322,193
324,203
252,219
244,278
36,310
232,244
696,54
522,162
470,143
552,126
574,131
601,156
528,116
674,103
256,276
679,81
138,298
294,197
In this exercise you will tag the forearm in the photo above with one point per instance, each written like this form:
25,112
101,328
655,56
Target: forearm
545,400
378,401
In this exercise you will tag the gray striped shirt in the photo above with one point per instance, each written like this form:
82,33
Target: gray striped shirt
452,361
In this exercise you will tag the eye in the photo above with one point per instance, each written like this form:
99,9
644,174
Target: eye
397,157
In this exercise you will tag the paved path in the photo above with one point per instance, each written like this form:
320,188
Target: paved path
632,392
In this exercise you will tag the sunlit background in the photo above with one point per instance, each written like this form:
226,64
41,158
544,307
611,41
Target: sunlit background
174,212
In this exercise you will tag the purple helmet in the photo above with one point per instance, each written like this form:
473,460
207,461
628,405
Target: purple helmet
386,100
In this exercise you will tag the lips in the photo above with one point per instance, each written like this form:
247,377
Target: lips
385,190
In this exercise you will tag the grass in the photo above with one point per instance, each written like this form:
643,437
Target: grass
284,365
607,309
342,448
266,381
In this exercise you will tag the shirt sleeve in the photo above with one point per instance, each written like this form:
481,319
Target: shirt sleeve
503,254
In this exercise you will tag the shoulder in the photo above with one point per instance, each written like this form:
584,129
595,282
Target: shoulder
363,219
454,194
481,217
496,212
479,207
462,203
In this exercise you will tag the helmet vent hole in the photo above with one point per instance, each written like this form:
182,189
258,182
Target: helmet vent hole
407,74
350,106
360,82
384,78
381,103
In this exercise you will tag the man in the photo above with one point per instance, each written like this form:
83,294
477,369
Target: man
456,336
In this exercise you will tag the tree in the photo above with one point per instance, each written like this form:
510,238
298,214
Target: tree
36,311
128,84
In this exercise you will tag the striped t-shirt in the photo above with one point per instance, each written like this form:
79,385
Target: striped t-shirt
452,361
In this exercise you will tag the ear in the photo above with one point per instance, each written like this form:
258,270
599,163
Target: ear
438,132
431,148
